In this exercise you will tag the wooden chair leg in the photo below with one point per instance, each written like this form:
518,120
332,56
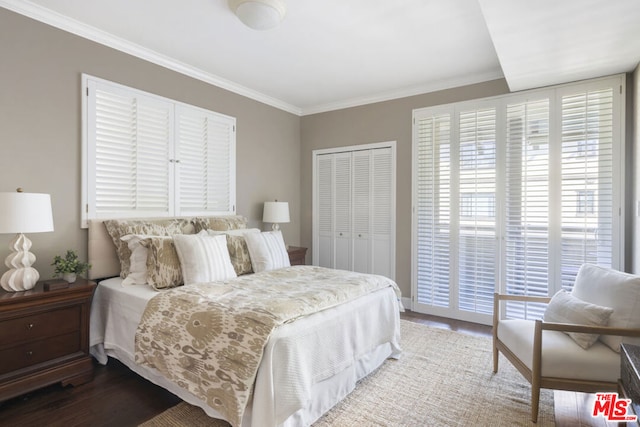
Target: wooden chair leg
536,371
496,318
535,401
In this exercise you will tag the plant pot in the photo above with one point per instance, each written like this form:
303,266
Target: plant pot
69,277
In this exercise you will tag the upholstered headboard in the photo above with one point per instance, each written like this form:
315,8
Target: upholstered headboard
102,252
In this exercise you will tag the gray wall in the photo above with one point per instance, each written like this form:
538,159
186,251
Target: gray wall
384,121
40,128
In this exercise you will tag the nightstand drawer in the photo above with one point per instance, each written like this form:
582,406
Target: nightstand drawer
38,326
39,351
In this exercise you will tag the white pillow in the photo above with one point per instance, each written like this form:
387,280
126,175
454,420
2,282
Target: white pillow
203,258
565,308
615,289
267,250
138,260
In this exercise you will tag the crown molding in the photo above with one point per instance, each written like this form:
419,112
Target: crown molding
78,28
404,93
65,23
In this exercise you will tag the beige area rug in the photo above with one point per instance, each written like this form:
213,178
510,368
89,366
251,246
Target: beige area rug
444,378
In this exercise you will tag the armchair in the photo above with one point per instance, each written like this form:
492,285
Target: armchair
549,358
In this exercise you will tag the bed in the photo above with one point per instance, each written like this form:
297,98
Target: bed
307,365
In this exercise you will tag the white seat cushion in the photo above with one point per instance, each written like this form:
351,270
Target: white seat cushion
561,356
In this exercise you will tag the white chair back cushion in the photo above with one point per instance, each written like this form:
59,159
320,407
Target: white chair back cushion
561,356
615,289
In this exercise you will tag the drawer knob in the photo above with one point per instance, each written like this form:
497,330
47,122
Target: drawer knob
30,326
29,353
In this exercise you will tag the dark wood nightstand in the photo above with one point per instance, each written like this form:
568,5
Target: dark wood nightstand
44,337
297,255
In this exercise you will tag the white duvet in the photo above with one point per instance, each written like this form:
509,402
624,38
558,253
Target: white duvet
308,365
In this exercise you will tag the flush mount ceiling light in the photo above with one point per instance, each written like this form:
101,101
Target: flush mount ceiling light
259,14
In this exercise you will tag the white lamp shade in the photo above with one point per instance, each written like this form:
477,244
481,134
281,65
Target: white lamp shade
259,14
275,212
25,213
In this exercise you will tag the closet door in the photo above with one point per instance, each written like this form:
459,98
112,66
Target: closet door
361,211
324,210
354,204
342,211
381,222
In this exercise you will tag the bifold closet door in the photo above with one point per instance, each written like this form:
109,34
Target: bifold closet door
354,204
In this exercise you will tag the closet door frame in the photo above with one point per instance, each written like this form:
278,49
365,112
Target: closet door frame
315,199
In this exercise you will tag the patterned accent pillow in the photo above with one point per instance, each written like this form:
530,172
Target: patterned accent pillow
163,264
138,260
118,228
238,250
220,223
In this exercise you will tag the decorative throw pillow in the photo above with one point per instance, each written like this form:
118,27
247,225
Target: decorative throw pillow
157,227
267,250
566,308
238,250
138,260
615,289
220,223
163,264
203,258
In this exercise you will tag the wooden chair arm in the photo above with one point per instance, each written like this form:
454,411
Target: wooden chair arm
525,298
600,330
497,297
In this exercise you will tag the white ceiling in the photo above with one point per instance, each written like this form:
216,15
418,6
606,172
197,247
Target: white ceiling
330,54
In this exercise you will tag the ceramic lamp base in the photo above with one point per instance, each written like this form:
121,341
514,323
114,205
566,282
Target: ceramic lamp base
21,276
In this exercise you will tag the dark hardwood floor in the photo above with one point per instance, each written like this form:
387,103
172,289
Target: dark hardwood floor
119,397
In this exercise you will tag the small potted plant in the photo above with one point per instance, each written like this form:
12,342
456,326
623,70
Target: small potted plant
69,266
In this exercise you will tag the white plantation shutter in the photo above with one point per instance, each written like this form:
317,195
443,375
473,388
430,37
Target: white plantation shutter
205,161
477,210
133,142
534,192
587,180
526,237
433,204
130,153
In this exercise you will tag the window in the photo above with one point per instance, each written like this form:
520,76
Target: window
144,155
513,194
585,202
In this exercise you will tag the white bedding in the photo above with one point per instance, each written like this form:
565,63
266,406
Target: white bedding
308,365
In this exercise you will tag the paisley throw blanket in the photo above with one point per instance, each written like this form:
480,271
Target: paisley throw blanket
209,338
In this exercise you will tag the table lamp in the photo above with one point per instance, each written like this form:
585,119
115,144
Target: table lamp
275,213
23,213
